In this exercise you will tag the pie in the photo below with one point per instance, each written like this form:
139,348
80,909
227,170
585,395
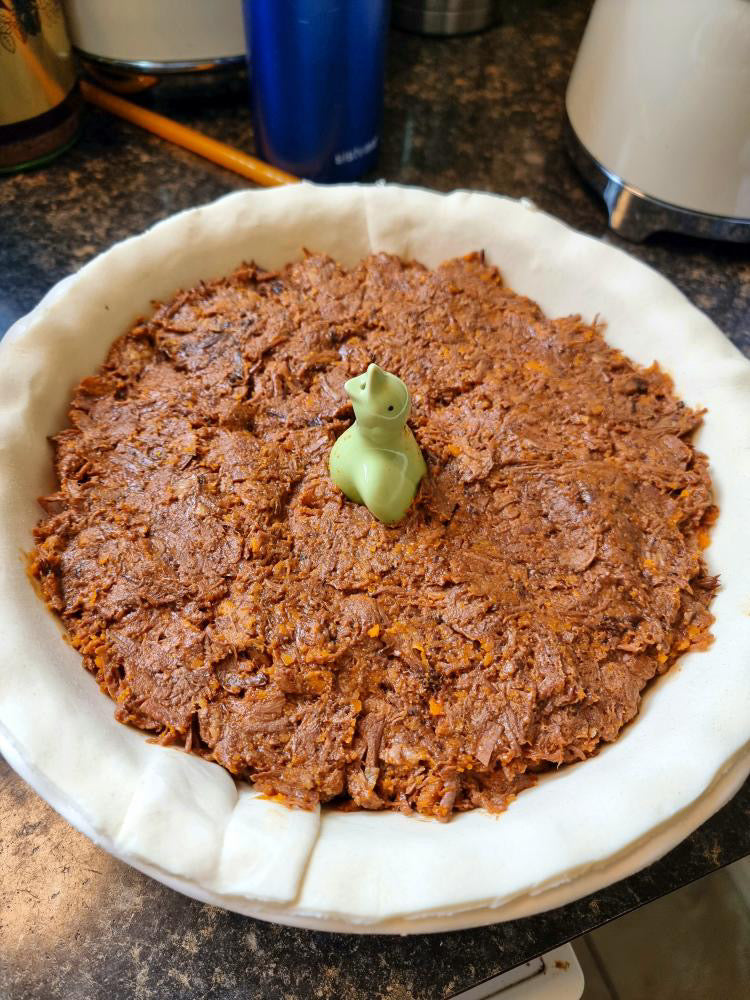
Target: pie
231,600
184,819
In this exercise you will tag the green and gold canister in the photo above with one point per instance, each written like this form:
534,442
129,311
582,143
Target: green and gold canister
40,103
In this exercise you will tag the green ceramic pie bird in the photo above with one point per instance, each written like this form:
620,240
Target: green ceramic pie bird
376,461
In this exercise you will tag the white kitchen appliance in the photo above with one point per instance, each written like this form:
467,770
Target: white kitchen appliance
158,36
554,976
658,106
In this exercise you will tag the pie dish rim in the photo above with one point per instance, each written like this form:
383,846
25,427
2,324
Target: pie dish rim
377,214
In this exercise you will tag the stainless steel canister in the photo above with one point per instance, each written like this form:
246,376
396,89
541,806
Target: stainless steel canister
40,105
444,17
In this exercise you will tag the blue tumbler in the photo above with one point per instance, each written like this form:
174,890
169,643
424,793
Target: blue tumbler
316,69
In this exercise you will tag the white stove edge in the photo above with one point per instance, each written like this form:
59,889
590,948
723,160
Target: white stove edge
555,976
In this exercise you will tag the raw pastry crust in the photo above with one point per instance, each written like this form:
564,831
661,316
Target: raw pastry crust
182,819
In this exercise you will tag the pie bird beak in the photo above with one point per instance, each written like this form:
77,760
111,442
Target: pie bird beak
363,386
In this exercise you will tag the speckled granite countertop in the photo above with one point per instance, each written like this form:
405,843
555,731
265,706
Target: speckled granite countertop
481,112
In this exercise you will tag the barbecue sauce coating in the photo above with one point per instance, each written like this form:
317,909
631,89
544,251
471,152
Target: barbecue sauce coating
230,600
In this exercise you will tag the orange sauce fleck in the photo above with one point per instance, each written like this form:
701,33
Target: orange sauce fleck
374,632
536,366
422,655
274,798
318,680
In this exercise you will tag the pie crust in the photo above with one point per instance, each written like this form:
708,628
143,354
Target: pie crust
182,819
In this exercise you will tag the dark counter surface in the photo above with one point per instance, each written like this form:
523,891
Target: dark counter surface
483,112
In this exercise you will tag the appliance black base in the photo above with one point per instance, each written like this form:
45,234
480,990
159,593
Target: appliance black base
635,215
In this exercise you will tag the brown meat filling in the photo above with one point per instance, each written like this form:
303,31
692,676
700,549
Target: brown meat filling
230,600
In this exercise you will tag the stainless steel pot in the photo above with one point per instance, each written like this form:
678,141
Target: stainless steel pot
444,17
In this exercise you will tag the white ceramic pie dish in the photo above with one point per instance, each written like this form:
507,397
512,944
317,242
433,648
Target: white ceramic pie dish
183,820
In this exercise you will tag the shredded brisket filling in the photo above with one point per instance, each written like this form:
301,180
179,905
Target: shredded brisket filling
232,601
